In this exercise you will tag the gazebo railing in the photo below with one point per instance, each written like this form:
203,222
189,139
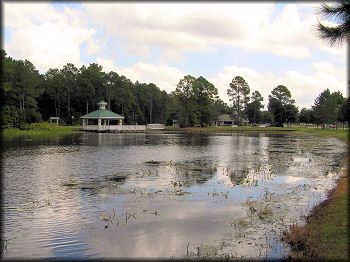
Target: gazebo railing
114,128
155,126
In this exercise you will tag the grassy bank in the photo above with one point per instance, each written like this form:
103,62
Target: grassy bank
229,129
340,133
326,233
40,129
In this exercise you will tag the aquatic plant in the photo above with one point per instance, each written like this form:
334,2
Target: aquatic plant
108,219
3,246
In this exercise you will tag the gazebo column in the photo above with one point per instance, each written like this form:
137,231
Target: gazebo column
105,125
120,122
99,124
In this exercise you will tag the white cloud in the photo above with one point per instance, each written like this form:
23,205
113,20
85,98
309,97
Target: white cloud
138,50
46,37
304,87
93,46
324,67
107,64
178,27
161,74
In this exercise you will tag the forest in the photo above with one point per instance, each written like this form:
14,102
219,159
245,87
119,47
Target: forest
70,92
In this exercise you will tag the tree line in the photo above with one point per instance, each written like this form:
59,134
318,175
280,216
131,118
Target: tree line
70,92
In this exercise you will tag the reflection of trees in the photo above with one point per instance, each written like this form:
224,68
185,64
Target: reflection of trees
196,172
238,176
112,139
281,151
264,155
195,140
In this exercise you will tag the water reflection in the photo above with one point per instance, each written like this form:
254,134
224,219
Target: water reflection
160,195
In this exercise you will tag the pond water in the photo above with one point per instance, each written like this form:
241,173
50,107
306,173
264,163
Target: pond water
161,195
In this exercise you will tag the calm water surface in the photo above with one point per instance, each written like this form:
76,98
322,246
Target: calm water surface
161,195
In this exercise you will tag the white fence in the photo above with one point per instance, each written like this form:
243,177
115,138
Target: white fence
115,128
155,126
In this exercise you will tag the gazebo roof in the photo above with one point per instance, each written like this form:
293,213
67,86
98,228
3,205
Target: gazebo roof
229,118
225,118
102,103
102,114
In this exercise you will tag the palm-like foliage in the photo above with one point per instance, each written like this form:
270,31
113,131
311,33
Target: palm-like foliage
341,13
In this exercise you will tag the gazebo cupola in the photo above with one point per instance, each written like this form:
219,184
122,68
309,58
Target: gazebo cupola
102,104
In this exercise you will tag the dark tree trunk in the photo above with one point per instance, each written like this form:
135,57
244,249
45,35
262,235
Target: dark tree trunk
55,108
59,108
150,111
68,102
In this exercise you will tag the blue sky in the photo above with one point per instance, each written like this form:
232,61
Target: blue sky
266,43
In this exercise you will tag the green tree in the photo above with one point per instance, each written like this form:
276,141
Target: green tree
70,76
239,95
151,94
327,106
185,100
306,116
21,86
28,87
291,112
267,117
91,84
281,105
340,12
220,107
161,110
204,93
9,117
54,88
8,91
254,107
344,111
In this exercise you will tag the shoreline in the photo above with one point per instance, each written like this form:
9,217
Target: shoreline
325,234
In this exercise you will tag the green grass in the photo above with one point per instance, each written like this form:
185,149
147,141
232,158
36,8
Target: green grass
229,129
40,129
340,133
326,233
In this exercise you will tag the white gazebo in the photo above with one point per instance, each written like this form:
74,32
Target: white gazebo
54,118
103,120
100,120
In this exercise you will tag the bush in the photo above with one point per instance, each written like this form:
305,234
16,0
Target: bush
41,126
9,117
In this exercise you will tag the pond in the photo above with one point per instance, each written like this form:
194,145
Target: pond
161,195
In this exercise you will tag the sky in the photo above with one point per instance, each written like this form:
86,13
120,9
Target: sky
266,43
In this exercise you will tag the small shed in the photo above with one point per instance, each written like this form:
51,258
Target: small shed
54,118
100,119
229,120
